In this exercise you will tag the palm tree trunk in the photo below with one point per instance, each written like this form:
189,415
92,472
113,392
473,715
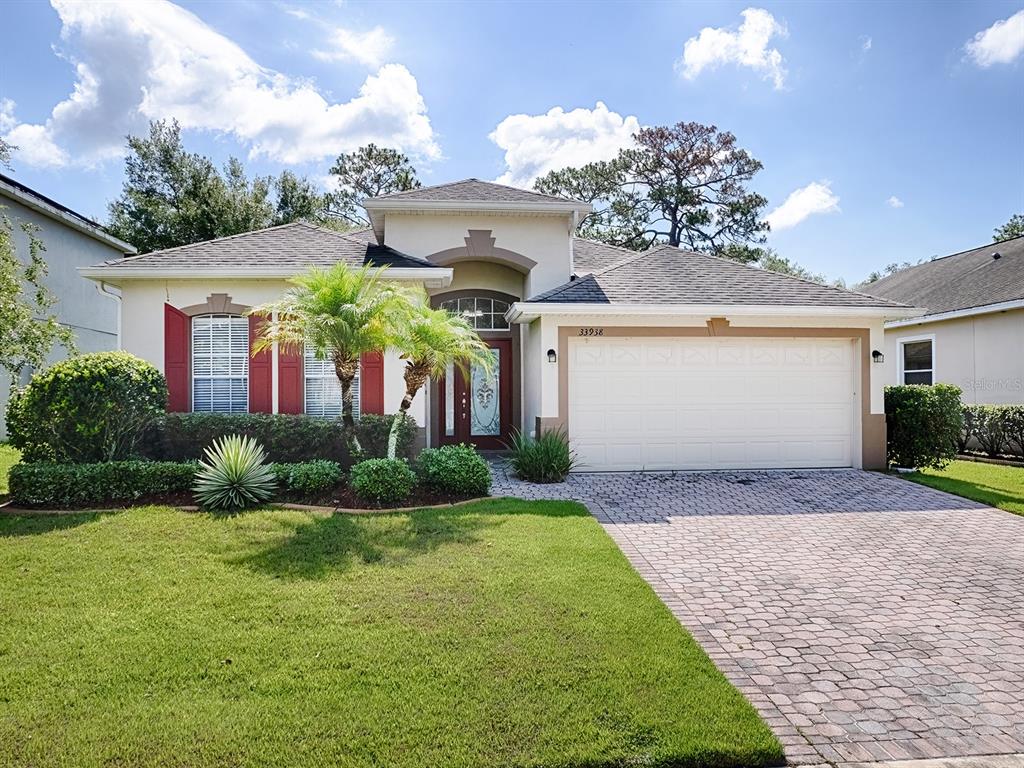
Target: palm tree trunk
345,370
415,377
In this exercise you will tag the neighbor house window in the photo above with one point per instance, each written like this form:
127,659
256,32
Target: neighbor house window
482,314
323,390
918,361
220,363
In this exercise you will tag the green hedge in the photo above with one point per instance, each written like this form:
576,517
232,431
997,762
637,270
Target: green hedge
996,429
924,424
308,478
285,438
382,481
455,469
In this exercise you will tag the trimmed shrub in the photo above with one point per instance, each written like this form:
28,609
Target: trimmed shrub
382,481
234,475
285,437
1013,424
989,428
548,459
81,485
308,478
970,429
455,469
86,409
924,424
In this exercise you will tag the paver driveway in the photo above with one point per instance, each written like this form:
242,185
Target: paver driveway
865,616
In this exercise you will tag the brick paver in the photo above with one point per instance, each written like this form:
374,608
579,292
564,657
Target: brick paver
866,617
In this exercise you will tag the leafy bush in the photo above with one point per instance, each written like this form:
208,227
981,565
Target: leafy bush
81,485
373,429
234,476
969,430
989,428
285,437
548,459
308,478
1013,425
454,469
924,424
382,481
88,408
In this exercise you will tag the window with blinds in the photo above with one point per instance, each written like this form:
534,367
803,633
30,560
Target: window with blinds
323,390
220,364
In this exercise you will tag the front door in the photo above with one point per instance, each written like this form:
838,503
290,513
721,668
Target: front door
477,408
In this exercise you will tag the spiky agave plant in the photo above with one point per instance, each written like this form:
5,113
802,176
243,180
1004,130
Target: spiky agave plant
234,475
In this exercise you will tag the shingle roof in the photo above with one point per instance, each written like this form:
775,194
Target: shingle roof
961,281
593,255
296,245
473,190
670,276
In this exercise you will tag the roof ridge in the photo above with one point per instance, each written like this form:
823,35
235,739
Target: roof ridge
468,180
949,256
212,240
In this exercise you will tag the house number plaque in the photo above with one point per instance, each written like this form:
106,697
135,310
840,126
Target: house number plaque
591,332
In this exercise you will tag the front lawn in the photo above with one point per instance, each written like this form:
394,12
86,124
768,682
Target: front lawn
994,484
504,633
8,458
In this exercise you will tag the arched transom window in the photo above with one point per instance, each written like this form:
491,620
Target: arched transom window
482,313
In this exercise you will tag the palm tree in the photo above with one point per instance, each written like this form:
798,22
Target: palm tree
429,341
341,313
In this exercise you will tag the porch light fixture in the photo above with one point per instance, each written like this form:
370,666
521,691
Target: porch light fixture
877,356
552,357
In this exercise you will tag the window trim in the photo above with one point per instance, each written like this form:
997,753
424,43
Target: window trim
903,341
490,296
192,359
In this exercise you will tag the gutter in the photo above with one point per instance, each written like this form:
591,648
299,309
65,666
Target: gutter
526,312
114,293
955,314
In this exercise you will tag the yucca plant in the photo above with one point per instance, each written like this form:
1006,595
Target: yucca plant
548,459
234,475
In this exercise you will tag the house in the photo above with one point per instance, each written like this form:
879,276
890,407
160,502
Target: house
71,241
972,334
664,359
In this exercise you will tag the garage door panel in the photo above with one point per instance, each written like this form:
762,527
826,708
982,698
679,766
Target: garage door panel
711,403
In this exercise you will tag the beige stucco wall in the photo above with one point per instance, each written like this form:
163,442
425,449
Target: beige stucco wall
983,355
544,239
481,275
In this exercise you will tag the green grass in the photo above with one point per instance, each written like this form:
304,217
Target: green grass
504,633
8,458
993,484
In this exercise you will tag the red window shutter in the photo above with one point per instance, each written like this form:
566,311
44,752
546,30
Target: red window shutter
176,353
371,383
290,384
261,398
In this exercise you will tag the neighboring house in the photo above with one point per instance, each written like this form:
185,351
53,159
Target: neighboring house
71,241
664,359
972,334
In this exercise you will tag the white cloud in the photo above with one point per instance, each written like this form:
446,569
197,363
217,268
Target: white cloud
999,44
537,144
369,48
816,197
168,63
746,46
894,202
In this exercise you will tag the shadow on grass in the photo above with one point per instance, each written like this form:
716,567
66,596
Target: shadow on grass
321,546
34,525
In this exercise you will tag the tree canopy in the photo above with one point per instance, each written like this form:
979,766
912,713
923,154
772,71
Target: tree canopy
685,185
370,171
1013,228
6,150
173,197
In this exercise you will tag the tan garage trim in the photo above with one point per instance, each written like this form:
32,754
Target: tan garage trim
872,425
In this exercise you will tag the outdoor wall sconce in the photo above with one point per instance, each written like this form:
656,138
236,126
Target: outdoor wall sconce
552,357
877,356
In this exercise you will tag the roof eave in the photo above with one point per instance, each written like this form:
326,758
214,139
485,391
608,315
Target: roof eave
955,314
540,206
528,311
431,277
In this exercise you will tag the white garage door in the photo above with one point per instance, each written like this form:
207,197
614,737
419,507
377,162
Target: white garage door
706,403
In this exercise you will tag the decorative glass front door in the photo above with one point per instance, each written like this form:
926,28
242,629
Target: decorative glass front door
477,408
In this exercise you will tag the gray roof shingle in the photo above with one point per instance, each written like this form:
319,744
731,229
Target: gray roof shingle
472,190
671,276
961,281
593,255
298,245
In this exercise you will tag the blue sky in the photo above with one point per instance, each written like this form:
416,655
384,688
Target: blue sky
888,131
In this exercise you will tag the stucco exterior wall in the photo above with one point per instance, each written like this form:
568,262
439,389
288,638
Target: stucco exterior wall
90,315
544,239
481,275
983,355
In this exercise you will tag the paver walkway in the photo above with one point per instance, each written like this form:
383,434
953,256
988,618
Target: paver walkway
866,617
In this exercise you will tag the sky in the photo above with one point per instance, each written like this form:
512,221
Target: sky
888,132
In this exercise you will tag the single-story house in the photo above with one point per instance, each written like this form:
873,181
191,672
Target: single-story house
972,334
71,241
664,359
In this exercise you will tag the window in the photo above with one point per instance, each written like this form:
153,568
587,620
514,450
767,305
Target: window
482,314
323,390
918,361
220,363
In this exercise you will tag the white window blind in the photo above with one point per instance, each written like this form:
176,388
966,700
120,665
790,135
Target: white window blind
323,390
220,363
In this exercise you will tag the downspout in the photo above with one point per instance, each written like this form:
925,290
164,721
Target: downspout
114,293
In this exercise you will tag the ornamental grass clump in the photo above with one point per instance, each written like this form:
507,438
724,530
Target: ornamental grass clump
234,475
548,459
